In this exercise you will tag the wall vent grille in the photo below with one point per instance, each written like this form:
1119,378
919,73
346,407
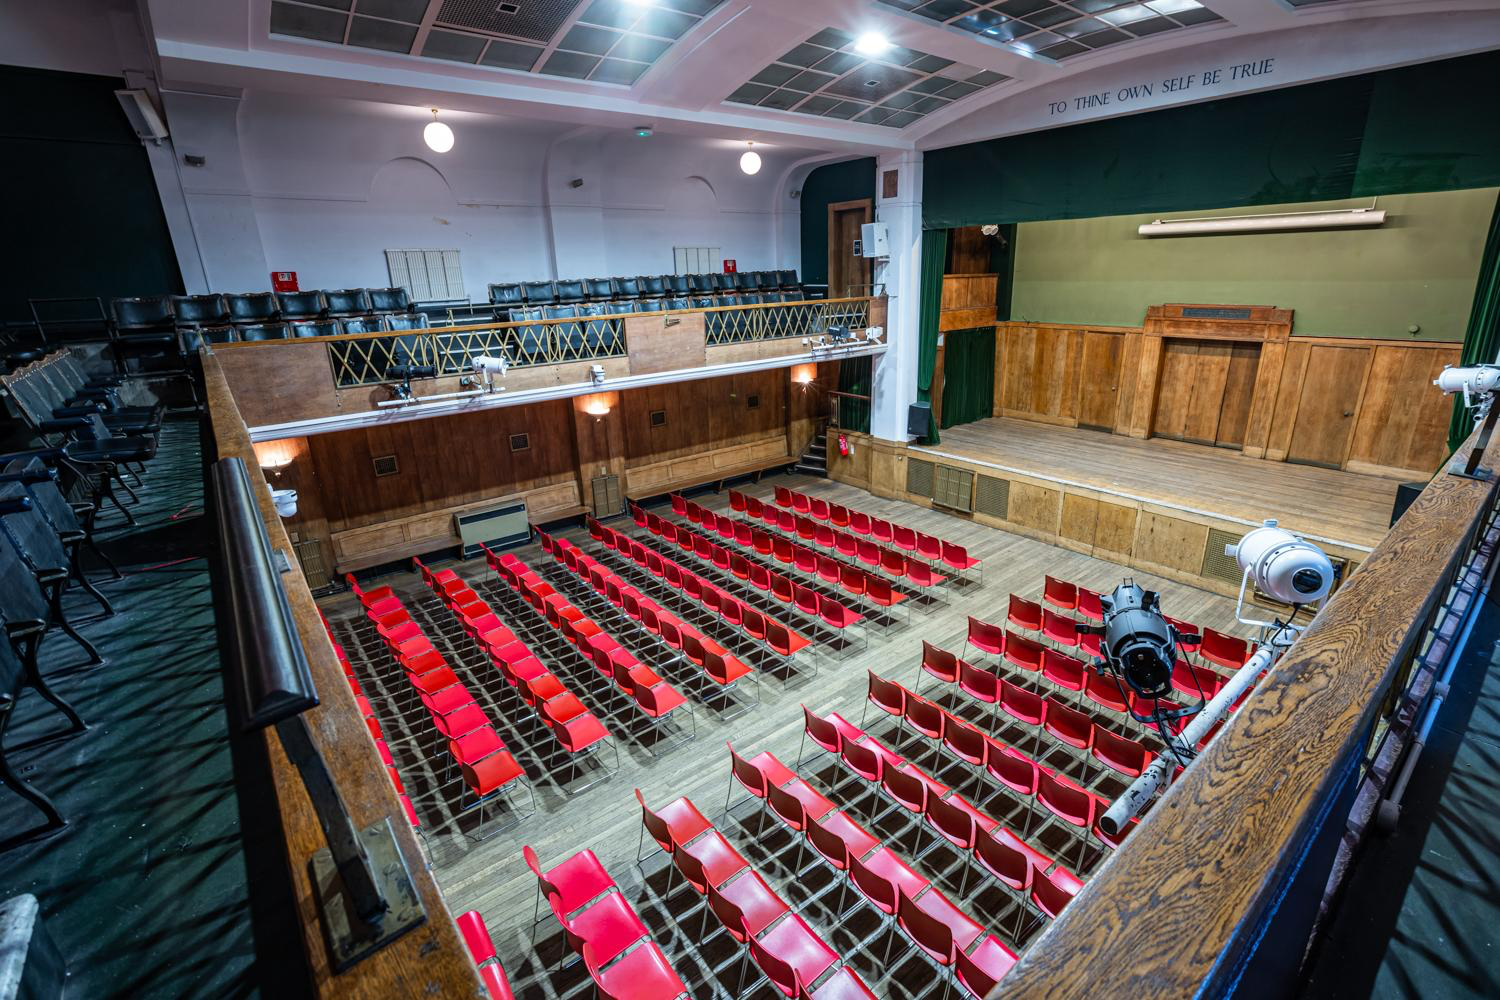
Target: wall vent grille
1216,564
919,477
427,275
992,497
954,488
314,568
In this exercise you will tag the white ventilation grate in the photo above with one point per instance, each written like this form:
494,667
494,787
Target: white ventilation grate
427,275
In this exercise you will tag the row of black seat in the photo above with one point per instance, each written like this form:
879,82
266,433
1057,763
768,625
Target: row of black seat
163,313
85,442
577,290
191,338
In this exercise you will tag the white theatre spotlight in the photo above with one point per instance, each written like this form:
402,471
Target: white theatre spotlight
750,160
438,136
871,43
1284,567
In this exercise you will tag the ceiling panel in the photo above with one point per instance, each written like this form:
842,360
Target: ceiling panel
827,77
1061,29
605,41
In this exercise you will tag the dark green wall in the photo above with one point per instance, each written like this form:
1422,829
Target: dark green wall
82,213
1431,127
845,181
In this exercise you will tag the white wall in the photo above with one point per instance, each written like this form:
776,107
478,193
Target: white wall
323,186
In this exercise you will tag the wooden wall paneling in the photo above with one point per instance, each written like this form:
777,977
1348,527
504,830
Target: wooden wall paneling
280,382
1148,370
1036,507
1114,528
1098,378
1402,425
1130,362
1165,540
1239,392
1174,391
1288,398
968,251
935,396
1018,356
1080,516
1263,397
1331,390
665,343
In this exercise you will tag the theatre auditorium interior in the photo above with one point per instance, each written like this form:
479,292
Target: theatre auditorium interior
717,499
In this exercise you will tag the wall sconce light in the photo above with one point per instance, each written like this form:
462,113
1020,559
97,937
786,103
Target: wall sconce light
274,456
804,374
597,406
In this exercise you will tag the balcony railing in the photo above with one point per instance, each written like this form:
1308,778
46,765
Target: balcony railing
744,324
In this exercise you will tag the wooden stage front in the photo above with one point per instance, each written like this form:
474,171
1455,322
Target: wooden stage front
1164,506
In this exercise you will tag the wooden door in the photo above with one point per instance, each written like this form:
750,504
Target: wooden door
1327,405
1099,379
1204,391
847,273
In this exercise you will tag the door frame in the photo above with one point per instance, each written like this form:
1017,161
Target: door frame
834,208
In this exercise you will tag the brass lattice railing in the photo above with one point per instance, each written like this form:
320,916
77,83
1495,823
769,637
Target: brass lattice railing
737,325
366,360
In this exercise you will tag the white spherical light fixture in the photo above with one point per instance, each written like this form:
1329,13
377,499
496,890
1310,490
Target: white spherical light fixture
750,160
438,136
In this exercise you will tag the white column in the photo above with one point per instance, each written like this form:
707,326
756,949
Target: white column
895,381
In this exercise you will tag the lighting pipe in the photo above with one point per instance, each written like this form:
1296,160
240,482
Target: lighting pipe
1347,219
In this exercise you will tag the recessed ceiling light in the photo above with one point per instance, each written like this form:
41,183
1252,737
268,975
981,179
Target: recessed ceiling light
871,43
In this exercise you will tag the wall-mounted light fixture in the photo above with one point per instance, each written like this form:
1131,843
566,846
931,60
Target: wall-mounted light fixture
275,456
804,374
597,405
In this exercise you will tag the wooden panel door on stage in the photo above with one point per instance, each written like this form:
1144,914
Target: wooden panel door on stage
1099,379
1329,400
1204,391
847,273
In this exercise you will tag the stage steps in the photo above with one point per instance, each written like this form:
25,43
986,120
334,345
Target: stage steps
814,461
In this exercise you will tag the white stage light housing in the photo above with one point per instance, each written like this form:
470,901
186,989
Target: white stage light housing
1283,566
1469,381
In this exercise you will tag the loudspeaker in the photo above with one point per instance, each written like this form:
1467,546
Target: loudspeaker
919,419
1405,494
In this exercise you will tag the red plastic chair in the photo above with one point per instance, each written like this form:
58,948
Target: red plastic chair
1069,803
818,508
829,570
644,974
1193,682
1060,629
783,497
844,984
679,821
985,637
572,883
493,977
1021,704
904,538
981,970
476,937
807,529
978,683
800,502
881,879
754,508
859,522
956,557
929,547
837,838
852,580
935,925
1023,653
888,696
1068,725
841,620
1227,651
1024,614
838,515
964,741
1104,691
791,951
1063,670
1060,593
1119,753
746,907
926,717
1051,893
827,733
869,554
937,663
846,544
1089,607
755,776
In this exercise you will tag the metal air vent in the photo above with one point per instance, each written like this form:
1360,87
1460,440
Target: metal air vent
954,488
536,20
919,477
1216,565
606,490
992,497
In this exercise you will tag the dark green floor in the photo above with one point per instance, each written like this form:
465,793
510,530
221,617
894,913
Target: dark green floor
1421,914
147,890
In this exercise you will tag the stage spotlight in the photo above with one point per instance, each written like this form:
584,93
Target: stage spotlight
1283,566
489,367
1472,380
405,371
1138,643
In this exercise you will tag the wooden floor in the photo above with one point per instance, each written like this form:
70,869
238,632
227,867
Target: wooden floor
1326,503
492,877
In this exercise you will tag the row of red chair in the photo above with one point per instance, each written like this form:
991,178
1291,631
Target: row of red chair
903,898
737,614
1120,753
487,767
981,840
601,926
930,547
789,952
891,562
640,685
482,950
717,663
1066,800
367,712
819,607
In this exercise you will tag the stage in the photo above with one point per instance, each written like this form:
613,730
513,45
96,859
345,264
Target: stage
1164,506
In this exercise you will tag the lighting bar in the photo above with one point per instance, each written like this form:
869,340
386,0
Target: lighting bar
1343,219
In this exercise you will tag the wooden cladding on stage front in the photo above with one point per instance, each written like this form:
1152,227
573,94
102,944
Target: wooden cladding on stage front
1362,405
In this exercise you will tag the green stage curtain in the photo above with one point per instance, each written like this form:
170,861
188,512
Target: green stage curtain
1482,338
930,303
854,376
968,376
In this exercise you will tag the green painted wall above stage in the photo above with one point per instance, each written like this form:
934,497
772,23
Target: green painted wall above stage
1417,269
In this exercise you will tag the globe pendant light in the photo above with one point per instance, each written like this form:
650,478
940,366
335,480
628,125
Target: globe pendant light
438,136
750,160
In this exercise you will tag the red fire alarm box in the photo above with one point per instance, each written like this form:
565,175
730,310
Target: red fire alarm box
730,265
284,281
